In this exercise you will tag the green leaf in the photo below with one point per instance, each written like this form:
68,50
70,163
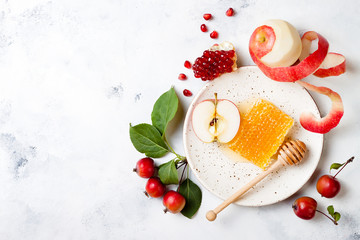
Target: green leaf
331,210
337,216
164,110
193,196
168,173
147,139
336,165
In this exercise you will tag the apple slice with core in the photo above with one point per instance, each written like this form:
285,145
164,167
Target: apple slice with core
331,120
215,119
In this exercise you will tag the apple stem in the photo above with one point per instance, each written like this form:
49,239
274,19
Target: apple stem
146,194
335,222
348,161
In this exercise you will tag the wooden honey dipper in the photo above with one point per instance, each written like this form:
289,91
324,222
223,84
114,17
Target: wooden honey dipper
291,153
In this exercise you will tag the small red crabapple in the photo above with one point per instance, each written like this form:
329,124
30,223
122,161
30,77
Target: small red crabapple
305,207
328,186
173,201
154,187
145,167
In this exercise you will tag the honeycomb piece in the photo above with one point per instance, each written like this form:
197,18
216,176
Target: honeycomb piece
262,131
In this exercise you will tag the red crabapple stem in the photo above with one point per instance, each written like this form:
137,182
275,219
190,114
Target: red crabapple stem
181,164
335,222
182,174
348,161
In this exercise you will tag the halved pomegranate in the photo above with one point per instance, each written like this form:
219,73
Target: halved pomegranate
219,59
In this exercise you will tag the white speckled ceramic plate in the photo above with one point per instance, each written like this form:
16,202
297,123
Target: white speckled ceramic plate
222,175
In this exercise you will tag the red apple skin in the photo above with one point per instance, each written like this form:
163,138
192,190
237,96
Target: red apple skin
328,186
305,207
323,125
305,68
331,120
262,40
333,71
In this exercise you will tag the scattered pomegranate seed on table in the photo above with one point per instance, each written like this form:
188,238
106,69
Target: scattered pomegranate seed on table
182,76
187,93
230,12
207,16
187,64
214,34
203,28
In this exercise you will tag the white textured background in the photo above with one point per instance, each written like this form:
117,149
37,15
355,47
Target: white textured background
74,73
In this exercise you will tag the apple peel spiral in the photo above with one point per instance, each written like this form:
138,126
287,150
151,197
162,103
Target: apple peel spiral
320,63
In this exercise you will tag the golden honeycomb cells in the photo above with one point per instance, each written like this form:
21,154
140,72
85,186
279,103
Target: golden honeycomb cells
262,131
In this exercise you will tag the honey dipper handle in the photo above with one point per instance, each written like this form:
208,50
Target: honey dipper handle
211,215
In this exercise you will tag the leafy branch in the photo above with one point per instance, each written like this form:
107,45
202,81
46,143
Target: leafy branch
151,140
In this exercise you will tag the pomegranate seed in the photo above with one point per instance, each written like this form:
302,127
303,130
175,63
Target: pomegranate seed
182,76
207,16
230,12
214,34
187,64
203,28
187,93
213,63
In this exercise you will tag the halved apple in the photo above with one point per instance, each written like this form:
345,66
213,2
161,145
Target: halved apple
216,120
